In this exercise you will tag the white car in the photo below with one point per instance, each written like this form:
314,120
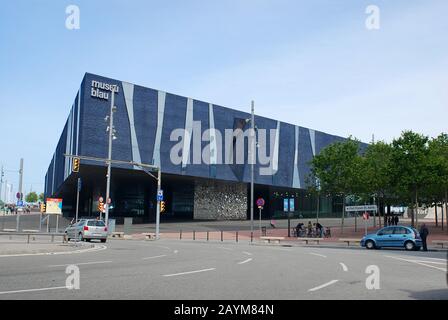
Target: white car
86,230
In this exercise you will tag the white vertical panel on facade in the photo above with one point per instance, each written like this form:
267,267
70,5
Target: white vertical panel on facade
296,176
78,120
54,167
313,141
72,134
213,146
276,149
128,90
188,133
160,115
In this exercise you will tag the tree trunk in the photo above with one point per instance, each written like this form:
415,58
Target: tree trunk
437,220
343,214
442,216
416,210
379,212
446,209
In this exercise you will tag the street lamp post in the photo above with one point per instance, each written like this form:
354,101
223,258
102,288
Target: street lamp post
252,122
109,157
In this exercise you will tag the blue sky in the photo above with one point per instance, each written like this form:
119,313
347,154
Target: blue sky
311,63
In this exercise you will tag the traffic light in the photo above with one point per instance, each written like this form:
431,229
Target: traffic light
76,164
43,207
101,207
162,206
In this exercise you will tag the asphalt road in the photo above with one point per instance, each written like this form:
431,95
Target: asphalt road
173,269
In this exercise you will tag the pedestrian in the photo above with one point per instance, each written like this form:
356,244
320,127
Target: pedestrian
396,220
273,223
320,230
385,220
424,234
310,229
389,221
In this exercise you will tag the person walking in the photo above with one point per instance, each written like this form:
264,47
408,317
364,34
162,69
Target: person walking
424,232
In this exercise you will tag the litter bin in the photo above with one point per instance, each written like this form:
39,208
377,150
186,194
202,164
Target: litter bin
263,231
111,227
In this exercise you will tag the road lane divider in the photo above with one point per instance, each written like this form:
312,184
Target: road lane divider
245,261
323,286
344,267
188,272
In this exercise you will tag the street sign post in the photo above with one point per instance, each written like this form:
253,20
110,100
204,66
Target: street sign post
160,195
260,204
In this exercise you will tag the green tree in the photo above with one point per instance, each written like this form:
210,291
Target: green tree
410,171
41,197
438,162
338,169
31,197
376,174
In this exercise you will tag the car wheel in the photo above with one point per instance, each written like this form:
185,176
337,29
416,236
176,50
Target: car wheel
103,240
409,245
370,244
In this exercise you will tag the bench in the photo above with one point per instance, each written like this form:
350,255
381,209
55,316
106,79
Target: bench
316,240
118,235
348,240
30,230
440,242
9,230
275,239
149,236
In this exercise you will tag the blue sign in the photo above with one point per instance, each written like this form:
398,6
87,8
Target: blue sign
285,205
20,203
291,205
160,195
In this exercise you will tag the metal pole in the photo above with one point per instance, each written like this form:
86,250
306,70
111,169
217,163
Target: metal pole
260,221
252,168
109,164
159,184
48,223
57,223
317,211
77,200
1,184
20,191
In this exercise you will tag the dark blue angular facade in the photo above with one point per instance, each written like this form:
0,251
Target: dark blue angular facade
144,121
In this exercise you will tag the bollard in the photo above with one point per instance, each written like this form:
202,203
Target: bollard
221,236
28,239
194,235
251,237
207,235
52,238
180,234
237,236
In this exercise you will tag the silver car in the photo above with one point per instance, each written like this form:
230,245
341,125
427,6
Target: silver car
86,230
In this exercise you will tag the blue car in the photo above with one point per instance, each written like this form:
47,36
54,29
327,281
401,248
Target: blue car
396,236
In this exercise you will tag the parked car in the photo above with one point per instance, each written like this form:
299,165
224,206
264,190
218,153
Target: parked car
394,236
86,230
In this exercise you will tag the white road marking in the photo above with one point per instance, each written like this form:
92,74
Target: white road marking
78,264
323,286
316,254
32,290
248,253
154,257
245,261
95,248
188,272
419,263
344,267
176,251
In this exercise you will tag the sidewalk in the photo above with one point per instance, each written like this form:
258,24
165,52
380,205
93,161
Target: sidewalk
231,230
